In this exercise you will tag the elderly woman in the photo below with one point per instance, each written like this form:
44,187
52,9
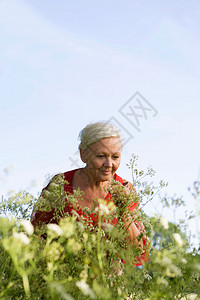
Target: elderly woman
100,149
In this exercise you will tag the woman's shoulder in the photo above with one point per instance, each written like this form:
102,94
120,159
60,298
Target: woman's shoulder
60,177
70,173
55,179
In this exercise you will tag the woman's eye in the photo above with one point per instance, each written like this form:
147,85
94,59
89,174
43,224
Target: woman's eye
100,156
115,156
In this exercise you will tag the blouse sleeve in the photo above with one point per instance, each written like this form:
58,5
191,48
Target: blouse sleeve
44,210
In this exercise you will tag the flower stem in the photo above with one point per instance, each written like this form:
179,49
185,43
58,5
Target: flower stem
99,252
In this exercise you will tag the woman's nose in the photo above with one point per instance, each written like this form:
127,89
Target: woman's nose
108,162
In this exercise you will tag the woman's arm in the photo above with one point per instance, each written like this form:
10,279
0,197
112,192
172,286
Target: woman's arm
135,231
132,231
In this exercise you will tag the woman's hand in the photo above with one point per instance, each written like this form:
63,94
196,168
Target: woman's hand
124,197
119,194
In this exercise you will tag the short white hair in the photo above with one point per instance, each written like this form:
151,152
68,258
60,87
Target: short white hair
95,132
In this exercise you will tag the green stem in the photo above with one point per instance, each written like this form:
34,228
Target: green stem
99,252
26,284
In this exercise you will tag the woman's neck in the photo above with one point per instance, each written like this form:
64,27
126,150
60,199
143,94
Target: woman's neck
85,179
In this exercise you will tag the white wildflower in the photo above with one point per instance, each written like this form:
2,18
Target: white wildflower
54,185
73,246
173,271
111,206
75,213
67,227
103,209
28,227
162,281
132,296
84,275
22,237
50,266
164,223
55,228
85,236
107,227
119,291
190,297
147,276
166,261
85,289
46,193
178,239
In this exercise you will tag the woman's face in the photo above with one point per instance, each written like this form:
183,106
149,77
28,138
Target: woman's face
103,158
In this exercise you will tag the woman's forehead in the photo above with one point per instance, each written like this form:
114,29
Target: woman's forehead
113,144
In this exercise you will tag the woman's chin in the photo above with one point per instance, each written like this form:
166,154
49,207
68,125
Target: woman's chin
104,176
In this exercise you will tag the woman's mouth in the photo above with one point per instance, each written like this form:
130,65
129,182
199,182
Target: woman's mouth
106,172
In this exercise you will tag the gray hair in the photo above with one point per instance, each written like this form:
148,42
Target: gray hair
95,132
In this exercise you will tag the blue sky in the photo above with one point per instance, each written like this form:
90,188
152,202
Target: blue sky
65,64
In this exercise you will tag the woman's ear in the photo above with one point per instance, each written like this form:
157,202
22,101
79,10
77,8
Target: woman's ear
83,155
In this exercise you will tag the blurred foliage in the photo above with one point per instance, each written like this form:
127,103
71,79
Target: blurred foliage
79,261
